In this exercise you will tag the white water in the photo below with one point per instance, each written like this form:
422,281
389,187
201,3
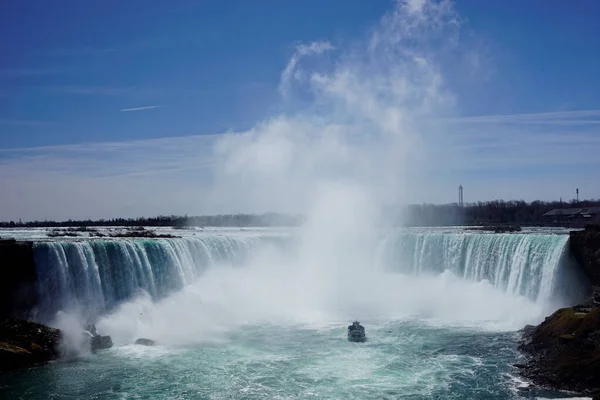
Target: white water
188,290
268,320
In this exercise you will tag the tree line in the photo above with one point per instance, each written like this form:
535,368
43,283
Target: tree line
478,213
487,212
176,221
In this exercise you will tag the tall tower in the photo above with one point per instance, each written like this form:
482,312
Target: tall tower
460,196
577,191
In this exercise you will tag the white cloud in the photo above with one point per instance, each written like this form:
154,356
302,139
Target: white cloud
380,120
291,71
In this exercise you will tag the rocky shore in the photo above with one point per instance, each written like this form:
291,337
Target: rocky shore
563,352
26,344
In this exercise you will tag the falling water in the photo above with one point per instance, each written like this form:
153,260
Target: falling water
536,266
98,275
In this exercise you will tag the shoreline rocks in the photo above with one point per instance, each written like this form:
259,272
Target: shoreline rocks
564,351
145,342
99,342
25,344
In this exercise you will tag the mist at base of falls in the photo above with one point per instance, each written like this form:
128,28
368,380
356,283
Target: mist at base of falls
339,270
331,276
225,299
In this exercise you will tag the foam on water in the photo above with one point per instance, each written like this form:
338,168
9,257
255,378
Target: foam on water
227,298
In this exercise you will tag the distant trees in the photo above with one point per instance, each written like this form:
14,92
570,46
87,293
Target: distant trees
489,212
233,220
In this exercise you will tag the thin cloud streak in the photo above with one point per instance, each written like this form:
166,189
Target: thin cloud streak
139,108
534,117
374,124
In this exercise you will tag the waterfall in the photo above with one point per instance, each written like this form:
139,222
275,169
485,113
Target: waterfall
533,265
97,275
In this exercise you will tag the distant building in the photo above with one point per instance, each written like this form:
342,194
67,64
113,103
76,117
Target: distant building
572,217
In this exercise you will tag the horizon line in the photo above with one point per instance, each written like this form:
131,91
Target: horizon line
300,214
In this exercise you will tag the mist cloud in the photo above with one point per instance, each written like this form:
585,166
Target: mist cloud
376,115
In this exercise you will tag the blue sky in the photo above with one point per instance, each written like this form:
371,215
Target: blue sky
91,92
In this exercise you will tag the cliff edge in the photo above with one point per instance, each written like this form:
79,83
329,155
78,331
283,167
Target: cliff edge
585,247
18,291
564,350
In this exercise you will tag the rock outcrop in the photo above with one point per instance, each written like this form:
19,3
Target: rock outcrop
145,342
99,342
25,344
564,350
585,247
18,290
96,341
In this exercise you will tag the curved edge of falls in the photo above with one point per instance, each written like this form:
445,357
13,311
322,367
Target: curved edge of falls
95,276
536,266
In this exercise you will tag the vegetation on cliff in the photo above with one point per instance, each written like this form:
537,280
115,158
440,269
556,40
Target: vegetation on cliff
564,350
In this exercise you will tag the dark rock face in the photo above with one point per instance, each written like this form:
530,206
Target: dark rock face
101,342
18,292
145,342
585,247
96,341
24,344
564,350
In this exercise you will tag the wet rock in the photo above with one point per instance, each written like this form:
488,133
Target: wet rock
100,342
91,329
25,344
585,247
564,351
145,342
18,284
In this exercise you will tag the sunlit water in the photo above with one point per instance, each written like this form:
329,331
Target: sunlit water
401,360
441,310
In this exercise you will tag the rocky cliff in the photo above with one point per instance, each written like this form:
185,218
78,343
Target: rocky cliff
18,293
564,350
585,247
25,344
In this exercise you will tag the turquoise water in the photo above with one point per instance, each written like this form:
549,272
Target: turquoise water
263,315
401,360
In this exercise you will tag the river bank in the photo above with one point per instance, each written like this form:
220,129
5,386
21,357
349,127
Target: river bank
564,350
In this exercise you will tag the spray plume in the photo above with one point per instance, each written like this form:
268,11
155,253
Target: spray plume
359,145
